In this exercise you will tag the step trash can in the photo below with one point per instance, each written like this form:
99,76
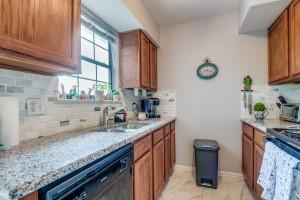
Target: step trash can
207,162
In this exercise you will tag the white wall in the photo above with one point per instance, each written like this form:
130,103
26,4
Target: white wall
142,14
210,109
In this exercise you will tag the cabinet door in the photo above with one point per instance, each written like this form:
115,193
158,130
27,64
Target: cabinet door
258,157
153,67
47,30
279,49
167,157
158,168
247,145
295,37
173,149
143,178
31,196
145,62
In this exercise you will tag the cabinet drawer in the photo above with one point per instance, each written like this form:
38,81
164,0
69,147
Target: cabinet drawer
173,126
259,138
158,136
167,130
142,146
248,131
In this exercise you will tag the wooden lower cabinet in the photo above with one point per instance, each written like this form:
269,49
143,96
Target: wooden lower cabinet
143,178
173,149
158,168
31,196
168,168
247,149
258,157
252,157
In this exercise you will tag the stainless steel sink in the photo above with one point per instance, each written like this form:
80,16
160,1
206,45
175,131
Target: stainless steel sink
116,130
122,128
133,125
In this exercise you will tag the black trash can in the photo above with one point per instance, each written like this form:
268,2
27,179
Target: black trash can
207,162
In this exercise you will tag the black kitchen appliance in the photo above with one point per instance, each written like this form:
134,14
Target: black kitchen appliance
107,178
288,136
149,106
287,139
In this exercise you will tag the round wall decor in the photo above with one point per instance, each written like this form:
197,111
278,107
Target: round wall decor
207,70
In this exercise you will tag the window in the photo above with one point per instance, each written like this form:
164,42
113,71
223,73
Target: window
96,59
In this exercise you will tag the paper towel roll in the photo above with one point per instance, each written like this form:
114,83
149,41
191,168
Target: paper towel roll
9,122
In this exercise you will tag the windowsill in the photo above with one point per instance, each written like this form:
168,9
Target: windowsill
78,101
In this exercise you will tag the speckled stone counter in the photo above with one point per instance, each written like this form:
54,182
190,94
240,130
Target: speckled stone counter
38,162
269,123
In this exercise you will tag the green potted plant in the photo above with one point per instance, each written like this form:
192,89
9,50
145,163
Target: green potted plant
99,92
73,92
247,83
116,95
106,87
260,111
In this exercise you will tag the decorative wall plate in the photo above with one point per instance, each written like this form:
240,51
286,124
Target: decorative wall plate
207,70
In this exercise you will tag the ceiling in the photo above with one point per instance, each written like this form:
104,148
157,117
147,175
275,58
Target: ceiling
170,12
114,13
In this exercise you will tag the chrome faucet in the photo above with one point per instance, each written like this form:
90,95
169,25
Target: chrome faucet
107,116
135,110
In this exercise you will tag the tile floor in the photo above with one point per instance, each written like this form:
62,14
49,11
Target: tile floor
182,186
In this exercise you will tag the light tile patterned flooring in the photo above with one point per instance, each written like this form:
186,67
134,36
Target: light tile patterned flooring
182,186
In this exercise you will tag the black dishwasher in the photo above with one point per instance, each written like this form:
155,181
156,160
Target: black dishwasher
109,178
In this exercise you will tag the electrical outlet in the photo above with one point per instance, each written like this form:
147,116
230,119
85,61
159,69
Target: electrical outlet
35,106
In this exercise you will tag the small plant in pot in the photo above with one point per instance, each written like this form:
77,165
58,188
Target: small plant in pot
260,111
99,92
116,95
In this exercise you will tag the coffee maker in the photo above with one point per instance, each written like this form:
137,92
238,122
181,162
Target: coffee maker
149,106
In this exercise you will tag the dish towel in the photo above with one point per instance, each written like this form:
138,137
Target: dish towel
267,175
277,173
296,184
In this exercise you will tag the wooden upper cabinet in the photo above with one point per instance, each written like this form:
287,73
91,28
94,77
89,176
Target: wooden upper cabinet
153,67
138,61
145,62
294,12
40,35
143,178
279,49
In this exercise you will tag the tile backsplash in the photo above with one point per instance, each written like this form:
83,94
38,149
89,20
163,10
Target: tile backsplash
60,116
167,106
269,96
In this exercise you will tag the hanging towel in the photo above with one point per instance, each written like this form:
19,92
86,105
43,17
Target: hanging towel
267,175
277,173
285,163
296,184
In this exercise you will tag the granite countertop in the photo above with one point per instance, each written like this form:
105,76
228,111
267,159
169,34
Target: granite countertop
38,162
269,123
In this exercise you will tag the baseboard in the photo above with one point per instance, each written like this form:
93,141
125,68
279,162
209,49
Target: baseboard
184,168
230,174
221,173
